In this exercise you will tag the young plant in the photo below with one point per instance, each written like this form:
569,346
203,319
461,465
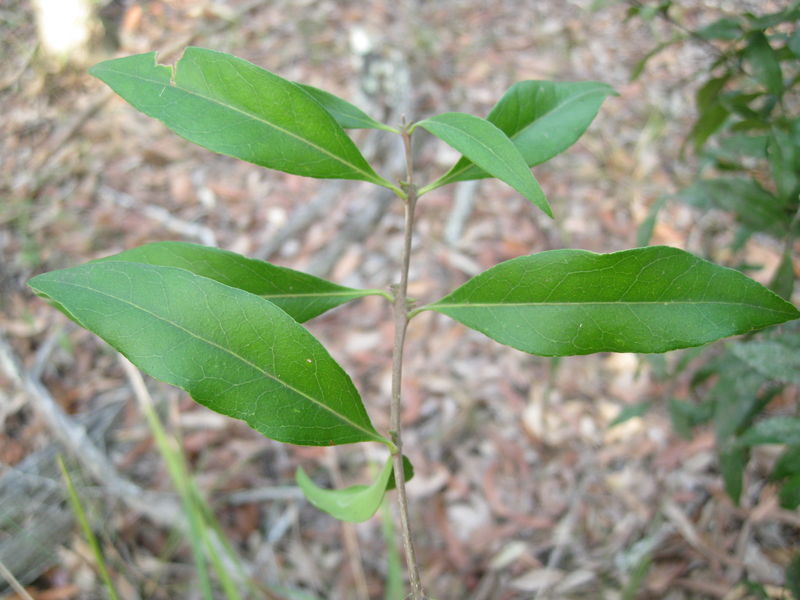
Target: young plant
227,329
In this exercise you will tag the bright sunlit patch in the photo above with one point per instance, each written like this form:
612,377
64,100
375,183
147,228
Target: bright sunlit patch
64,25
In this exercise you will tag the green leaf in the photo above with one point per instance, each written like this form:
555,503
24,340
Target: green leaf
732,463
630,412
784,158
565,302
489,148
638,68
722,29
737,145
686,415
711,118
794,42
346,115
301,295
234,352
789,494
354,504
736,398
787,465
754,207
771,359
783,281
775,430
788,15
793,576
234,107
542,118
764,63
408,473
644,232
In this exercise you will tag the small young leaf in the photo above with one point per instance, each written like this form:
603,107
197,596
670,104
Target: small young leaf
347,115
764,63
775,430
793,576
234,352
301,295
794,45
644,232
638,68
783,281
711,118
784,160
732,463
789,494
566,302
356,503
542,118
686,415
408,473
630,412
736,398
787,465
489,148
721,29
234,107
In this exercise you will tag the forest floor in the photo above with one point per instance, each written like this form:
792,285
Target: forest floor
522,488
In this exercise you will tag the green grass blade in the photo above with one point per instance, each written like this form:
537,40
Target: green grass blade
83,521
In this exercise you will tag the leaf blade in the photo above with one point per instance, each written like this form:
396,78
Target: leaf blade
301,295
773,430
764,63
268,121
232,351
353,504
567,302
542,119
487,146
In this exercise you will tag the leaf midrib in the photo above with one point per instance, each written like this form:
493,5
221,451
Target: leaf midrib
321,294
437,305
371,434
370,177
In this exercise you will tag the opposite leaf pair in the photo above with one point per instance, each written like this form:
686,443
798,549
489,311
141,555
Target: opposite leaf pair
225,328
233,107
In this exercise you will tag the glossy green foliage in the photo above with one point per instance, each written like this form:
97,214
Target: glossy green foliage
231,106
301,295
356,503
542,118
566,302
488,147
747,135
755,208
234,352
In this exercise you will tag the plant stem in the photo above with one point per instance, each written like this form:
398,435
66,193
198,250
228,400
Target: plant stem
400,307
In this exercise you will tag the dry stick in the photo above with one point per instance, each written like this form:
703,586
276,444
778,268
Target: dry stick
400,307
6,574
